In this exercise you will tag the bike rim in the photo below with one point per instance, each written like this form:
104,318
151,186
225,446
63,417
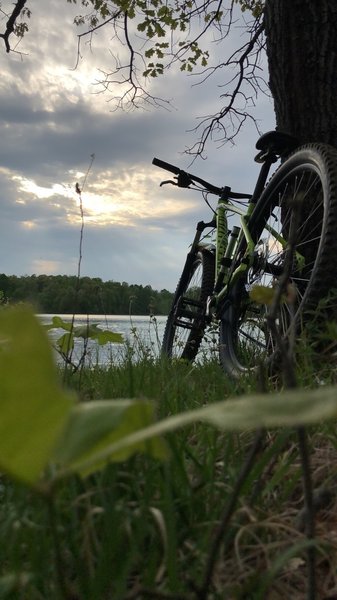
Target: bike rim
296,205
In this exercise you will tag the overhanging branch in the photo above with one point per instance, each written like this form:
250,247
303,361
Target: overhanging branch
242,60
10,25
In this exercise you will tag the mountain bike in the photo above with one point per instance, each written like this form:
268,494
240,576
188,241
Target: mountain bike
220,274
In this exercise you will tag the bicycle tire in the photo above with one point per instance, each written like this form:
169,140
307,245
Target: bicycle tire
186,322
305,187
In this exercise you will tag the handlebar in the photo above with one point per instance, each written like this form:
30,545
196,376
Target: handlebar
185,179
164,165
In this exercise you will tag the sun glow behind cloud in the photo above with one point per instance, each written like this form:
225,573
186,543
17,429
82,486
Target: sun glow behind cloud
130,199
28,224
30,187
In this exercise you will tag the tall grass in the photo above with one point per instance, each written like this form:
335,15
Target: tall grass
145,529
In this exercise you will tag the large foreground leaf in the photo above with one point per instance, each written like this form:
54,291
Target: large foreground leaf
94,427
290,408
40,424
33,408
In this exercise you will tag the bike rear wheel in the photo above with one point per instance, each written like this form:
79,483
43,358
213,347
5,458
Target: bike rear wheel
186,321
302,194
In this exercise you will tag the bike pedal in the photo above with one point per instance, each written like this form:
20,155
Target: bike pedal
187,324
190,302
190,314
183,324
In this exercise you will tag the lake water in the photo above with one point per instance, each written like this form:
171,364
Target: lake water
141,334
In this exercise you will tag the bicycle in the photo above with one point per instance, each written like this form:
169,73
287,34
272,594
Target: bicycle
218,279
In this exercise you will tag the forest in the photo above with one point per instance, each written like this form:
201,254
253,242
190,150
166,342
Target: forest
62,294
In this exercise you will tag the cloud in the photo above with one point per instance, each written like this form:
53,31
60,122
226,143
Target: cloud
52,121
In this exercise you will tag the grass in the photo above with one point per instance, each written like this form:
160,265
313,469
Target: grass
145,529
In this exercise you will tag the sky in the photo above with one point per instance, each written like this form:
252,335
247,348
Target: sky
52,122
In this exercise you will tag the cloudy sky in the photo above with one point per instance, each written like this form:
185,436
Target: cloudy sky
52,120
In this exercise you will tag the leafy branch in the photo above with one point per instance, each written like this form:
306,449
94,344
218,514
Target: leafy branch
19,29
155,37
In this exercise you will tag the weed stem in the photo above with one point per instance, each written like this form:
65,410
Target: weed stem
202,593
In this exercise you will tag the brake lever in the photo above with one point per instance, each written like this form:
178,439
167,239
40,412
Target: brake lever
168,181
183,180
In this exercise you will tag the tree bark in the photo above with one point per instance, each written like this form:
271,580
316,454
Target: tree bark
301,40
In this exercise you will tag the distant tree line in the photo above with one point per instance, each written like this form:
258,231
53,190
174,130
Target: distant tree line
66,294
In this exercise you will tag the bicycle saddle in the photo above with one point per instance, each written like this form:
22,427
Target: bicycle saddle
275,142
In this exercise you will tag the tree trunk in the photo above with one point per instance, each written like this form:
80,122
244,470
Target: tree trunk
301,37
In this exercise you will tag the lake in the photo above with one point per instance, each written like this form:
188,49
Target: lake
141,334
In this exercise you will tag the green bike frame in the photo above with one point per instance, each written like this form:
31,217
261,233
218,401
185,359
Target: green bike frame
228,241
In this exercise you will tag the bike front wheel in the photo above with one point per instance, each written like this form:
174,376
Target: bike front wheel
186,321
300,205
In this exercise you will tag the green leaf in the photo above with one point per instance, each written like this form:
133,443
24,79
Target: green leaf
58,323
291,408
33,407
149,53
262,294
163,11
101,335
255,6
94,427
65,343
